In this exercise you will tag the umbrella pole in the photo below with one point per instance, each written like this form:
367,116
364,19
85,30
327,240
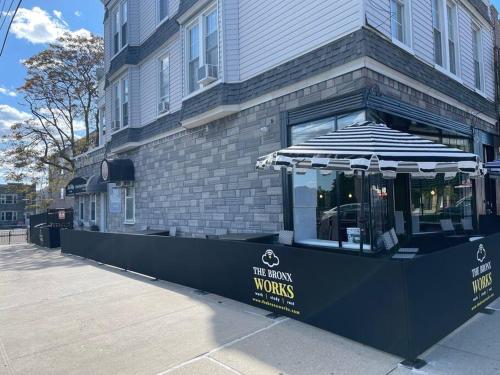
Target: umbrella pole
362,213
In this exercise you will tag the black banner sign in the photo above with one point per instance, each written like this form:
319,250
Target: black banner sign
402,307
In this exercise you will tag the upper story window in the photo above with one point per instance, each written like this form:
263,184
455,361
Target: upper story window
437,31
162,10
120,104
451,13
477,49
8,198
444,21
119,27
400,21
202,46
61,193
164,85
102,124
124,100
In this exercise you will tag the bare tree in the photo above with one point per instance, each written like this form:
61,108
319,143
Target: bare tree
60,89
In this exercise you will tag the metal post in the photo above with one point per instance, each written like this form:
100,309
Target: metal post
9,236
362,214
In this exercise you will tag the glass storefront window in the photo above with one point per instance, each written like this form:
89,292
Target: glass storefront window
436,199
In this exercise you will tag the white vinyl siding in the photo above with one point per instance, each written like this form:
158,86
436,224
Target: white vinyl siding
378,15
149,82
422,30
230,35
272,32
465,36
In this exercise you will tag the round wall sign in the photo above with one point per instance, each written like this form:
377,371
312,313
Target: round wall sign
104,170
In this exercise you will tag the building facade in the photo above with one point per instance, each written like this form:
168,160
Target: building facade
16,203
196,91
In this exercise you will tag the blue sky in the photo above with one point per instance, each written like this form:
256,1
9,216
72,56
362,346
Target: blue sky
36,24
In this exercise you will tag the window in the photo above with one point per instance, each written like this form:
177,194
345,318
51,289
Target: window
400,21
193,58
211,39
202,46
80,210
116,106
92,207
129,205
61,193
124,19
124,101
8,215
477,53
102,124
164,81
162,10
437,31
327,208
119,27
8,199
451,12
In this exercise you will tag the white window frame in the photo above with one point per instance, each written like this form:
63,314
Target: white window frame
444,23
3,215
160,72
407,42
81,206
62,193
199,20
129,195
116,110
456,32
160,20
476,28
124,100
92,210
102,124
119,17
13,198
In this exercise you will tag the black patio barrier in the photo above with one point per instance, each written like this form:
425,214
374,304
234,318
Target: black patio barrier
51,222
402,307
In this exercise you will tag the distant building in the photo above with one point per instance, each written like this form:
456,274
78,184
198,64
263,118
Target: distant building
15,204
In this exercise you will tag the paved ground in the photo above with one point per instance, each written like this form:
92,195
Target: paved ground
63,315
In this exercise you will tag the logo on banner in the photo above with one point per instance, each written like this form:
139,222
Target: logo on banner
482,279
270,259
274,287
481,253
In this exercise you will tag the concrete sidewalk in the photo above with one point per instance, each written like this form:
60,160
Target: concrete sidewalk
64,315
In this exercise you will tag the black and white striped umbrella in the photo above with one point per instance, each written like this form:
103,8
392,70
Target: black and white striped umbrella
374,148
493,168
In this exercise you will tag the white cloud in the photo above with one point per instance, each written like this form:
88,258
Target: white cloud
9,116
78,13
38,26
4,91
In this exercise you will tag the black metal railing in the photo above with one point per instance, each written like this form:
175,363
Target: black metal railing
13,236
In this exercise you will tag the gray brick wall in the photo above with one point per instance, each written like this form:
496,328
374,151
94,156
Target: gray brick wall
203,181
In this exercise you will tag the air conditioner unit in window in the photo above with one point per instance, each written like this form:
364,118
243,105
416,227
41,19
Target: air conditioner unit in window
163,106
207,74
116,124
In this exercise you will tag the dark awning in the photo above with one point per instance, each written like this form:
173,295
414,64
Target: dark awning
95,184
117,170
77,185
